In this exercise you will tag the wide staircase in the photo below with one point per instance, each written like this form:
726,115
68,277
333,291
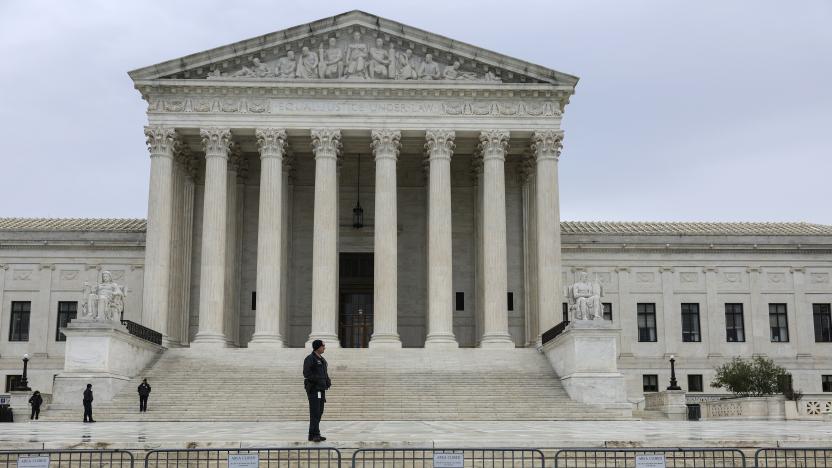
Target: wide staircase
193,384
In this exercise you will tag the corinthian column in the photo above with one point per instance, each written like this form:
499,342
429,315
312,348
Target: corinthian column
162,143
440,147
217,143
546,148
493,146
385,144
326,144
272,144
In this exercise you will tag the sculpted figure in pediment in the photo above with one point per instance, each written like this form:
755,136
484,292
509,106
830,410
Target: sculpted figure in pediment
453,73
331,63
356,58
379,60
405,68
429,70
258,70
307,64
491,76
286,66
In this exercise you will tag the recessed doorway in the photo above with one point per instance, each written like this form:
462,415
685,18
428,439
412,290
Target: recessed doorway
355,318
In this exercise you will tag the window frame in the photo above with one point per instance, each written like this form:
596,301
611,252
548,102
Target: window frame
64,317
826,383
16,334
642,310
700,384
644,383
782,318
822,318
607,310
694,335
733,313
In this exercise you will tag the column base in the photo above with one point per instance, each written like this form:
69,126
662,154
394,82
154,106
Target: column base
212,340
441,341
266,340
385,340
331,341
497,341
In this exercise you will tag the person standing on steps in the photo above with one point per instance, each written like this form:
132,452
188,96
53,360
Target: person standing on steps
144,392
35,400
88,404
316,382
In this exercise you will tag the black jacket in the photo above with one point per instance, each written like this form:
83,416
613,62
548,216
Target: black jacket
144,389
315,376
36,401
87,396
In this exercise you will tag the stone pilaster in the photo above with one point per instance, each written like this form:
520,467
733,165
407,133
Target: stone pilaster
670,316
803,315
713,327
267,325
162,143
493,146
41,312
757,316
385,145
217,142
546,148
440,147
326,145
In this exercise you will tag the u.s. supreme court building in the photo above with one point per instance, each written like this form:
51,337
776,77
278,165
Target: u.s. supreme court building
374,185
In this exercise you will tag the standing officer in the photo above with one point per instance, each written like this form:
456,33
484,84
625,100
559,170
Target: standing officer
35,400
144,392
88,404
316,382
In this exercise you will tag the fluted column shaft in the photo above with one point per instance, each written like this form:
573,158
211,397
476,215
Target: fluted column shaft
230,307
546,147
493,146
272,143
440,146
326,145
212,266
385,145
162,143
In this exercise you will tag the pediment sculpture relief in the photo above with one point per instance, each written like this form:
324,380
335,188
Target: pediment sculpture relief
356,59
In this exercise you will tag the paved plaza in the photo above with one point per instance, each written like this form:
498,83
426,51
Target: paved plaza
353,434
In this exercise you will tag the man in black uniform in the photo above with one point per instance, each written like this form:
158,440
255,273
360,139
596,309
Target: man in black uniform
35,400
144,392
316,382
88,404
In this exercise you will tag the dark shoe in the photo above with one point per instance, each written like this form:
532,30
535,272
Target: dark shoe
91,420
322,438
317,439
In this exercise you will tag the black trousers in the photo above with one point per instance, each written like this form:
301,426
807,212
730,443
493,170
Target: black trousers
142,403
316,410
87,411
35,412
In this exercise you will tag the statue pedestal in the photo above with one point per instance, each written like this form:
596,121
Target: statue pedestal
585,356
670,402
103,354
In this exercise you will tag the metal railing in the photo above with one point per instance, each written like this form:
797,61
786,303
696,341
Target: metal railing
553,332
661,456
809,457
66,458
140,331
263,457
449,457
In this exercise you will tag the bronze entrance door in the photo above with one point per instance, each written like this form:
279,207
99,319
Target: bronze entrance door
355,305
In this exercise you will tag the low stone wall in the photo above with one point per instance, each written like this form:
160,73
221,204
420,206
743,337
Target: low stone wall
767,408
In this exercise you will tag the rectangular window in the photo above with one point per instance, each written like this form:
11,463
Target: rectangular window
826,383
19,323
823,323
565,308
607,310
778,322
510,301
690,323
460,301
67,310
694,382
646,313
734,323
650,382
13,382
254,300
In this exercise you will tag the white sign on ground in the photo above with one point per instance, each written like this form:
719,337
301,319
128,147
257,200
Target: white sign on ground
33,462
448,460
650,461
243,460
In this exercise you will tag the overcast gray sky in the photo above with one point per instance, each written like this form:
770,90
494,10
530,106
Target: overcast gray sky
714,110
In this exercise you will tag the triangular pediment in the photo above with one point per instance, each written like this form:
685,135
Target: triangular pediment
354,46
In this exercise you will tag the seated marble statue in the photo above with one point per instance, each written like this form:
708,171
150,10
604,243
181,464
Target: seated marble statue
103,302
454,73
584,298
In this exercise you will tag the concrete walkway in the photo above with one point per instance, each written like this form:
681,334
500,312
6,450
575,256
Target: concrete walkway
345,434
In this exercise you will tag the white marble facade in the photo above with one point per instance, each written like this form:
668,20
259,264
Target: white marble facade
254,154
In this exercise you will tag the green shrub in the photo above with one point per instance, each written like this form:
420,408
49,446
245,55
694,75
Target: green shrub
758,376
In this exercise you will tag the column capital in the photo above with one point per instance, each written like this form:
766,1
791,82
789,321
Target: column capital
271,142
547,144
326,142
161,140
493,144
217,141
386,143
439,143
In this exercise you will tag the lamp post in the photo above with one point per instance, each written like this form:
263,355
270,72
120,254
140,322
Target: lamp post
673,384
24,381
